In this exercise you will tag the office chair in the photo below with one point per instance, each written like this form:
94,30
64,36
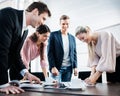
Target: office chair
39,75
84,74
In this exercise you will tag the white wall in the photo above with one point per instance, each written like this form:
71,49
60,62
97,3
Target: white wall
94,13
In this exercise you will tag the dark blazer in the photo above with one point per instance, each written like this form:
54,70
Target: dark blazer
11,21
56,53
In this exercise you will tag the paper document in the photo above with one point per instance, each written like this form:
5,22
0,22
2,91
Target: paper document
22,84
75,84
49,81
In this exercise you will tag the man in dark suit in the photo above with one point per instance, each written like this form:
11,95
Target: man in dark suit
62,52
12,24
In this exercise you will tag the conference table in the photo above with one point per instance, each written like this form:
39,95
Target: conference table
100,89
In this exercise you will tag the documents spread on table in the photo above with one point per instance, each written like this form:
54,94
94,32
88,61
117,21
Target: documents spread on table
75,84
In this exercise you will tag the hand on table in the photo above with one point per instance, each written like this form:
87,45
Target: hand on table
90,81
31,77
93,78
12,90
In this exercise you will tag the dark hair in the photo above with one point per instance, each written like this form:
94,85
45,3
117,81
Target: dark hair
41,30
64,17
42,7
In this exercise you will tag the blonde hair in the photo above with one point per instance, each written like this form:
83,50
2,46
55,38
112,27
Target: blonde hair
91,46
91,51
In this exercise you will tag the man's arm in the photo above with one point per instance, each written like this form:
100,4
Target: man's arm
50,50
6,26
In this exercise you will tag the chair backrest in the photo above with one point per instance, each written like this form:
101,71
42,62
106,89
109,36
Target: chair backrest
84,74
39,75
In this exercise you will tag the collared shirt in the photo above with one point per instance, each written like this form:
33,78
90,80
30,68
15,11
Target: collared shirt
24,27
23,71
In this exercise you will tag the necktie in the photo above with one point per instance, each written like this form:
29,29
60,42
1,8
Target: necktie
23,39
24,35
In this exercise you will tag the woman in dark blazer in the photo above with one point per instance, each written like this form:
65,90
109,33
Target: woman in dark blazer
11,39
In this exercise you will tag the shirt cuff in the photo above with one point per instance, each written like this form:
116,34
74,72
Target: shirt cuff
22,72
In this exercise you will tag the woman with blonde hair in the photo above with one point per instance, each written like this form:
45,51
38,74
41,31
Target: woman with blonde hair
104,53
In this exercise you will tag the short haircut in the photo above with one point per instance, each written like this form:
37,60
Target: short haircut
64,17
42,7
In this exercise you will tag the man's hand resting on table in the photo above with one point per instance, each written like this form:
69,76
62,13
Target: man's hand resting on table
15,89
12,90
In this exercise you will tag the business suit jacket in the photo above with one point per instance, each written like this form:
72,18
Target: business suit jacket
11,21
56,52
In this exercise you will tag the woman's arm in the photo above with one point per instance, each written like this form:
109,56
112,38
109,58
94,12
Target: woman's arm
44,68
108,53
25,53
93,70
93,78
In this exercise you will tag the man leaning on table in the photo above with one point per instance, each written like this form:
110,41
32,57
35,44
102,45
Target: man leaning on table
12,24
